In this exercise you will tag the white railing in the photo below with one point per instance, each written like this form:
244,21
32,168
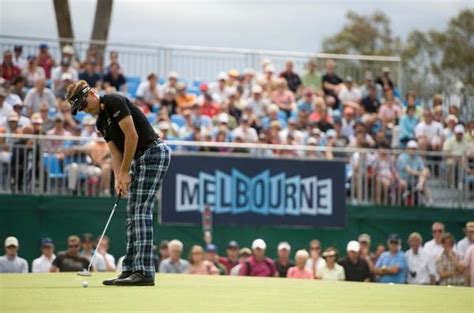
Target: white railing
32,165
204,63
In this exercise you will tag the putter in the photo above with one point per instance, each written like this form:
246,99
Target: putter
88,272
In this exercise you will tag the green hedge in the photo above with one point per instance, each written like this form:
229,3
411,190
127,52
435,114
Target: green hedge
30,218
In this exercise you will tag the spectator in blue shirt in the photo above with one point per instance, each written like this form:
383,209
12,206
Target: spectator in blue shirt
306,103
392,266
407,126
412,171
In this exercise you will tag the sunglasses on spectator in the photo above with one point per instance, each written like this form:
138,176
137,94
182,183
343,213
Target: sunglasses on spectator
315,248
394,242
73,246
437,231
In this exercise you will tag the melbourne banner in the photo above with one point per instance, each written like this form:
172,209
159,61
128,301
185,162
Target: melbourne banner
254,191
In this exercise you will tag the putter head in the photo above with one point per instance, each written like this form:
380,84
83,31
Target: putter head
84,273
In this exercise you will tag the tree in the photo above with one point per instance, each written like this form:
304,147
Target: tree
364,34
436,60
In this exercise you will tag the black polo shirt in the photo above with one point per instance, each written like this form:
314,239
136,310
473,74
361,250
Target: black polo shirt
370,105
356,272
283,269
116,107
68,263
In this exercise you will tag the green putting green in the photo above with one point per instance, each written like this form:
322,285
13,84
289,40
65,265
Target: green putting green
63,292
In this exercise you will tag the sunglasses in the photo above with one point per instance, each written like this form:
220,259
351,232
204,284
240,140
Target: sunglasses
394,242
73,246
437,231
315,248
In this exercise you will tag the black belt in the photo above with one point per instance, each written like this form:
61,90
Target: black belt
141,151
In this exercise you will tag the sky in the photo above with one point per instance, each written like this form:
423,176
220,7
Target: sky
292,25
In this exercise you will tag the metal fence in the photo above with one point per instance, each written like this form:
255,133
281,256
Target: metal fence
52,165
204,63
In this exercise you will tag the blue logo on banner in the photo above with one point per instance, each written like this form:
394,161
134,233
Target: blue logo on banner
254,191
262,194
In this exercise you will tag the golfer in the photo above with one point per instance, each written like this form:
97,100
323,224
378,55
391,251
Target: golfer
139,161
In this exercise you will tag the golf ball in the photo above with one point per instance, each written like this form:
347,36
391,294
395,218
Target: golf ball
85,284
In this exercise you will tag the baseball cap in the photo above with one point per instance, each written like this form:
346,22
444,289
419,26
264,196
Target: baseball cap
163,125
259,244
312,141
329,253
364,238
66,76
385,69
211,248
233,73
331,133
233,245
223,118
353,246
173,75
36,118
88,120
43,46
203,87
68,50
245,251
412,144
78,100
369,76
284,246
180,86
270,68
257,89
308,93
393,237
451,117
47,242
11,241
349,79
13,117
459,129
222,76
470,226
164,244
18,48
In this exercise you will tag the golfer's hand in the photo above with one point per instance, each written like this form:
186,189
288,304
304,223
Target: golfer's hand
123,181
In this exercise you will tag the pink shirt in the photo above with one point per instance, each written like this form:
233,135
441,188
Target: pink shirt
285,99
264,268
294,272
205,268
390,112
469,261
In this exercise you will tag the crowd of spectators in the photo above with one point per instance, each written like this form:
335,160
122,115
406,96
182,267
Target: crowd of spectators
439,261
316,108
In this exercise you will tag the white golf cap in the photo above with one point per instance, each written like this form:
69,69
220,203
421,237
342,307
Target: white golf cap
88,120
353,246
412,144
259,244
257,89
312,141
222,76
11,241
66,76
459,129
223,118
270,68
68,50
173,75
284,246
331,133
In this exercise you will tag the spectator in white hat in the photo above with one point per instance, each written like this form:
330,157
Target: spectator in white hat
258,264
456,147
412,171
332,270
219,89
283,261
258,102
11,262
355,267
299,271
68,54
418,261
451,122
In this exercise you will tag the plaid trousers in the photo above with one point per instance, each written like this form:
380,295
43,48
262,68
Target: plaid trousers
148,172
